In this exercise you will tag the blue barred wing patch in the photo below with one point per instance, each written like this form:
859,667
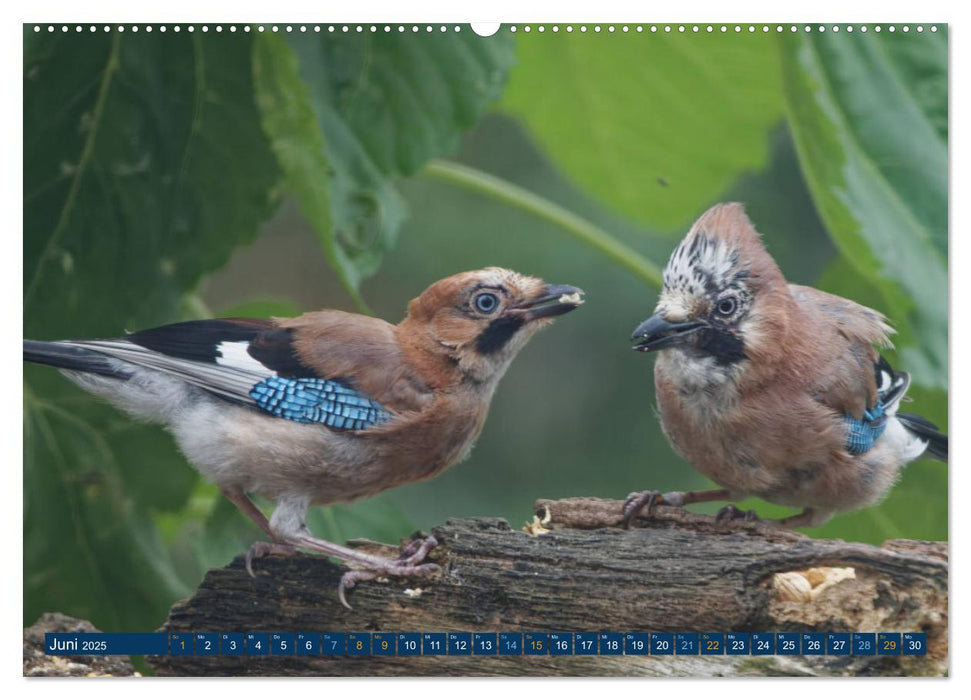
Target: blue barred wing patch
862,433
313,400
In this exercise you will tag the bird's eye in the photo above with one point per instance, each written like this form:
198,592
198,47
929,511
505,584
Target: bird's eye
486,303
727,306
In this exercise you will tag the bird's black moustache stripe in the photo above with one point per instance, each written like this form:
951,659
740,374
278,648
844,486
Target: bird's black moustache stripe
725,347
497,334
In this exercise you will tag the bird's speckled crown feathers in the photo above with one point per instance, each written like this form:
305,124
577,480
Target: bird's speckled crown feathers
720,246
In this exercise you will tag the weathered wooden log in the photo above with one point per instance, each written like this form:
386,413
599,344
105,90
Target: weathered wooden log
577,570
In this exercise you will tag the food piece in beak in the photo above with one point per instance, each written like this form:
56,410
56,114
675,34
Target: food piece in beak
558,299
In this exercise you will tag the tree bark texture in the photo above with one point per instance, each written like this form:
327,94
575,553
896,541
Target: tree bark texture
575,569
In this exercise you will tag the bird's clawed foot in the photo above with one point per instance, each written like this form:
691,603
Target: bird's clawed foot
417,549
352,578
408,563
644,502
261,549
640,502
730,512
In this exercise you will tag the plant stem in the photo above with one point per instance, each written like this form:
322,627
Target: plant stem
195,307
527,201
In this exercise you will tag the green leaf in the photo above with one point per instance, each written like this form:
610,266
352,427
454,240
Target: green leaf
90,548
349,114
866,119
145,166
655,126
298,142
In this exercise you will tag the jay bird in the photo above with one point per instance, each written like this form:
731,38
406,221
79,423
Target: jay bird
772,389
327,407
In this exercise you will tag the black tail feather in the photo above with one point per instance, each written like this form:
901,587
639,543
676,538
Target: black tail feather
66,356
925,430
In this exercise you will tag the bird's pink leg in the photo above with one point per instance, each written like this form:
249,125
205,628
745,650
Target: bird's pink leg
645,501
290,532
249,509
259,549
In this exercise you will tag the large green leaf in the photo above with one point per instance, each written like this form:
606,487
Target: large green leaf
656,126
868,121
349,113
90,547
298,142
145,165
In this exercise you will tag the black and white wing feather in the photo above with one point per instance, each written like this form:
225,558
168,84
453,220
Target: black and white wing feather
244,361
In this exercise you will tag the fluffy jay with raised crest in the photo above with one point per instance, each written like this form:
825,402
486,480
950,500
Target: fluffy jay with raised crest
772,389
325,408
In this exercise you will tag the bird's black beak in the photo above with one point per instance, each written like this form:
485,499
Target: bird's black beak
557,299
657,333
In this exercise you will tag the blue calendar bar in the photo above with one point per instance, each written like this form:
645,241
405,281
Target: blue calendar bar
787,644
636,644
459,643
383,644
561,643
207,643
662,643
485,644
712,643
888,644
585,643
511,643
838,644
358,644
308,644
538,643
433,644
182,644
611,644
915,643
864,643
687,643
813,643
763,644
332,644
233,644
738,643
257,644
106,643
409,644
281,643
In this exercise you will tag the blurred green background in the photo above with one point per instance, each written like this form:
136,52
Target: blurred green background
179,175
